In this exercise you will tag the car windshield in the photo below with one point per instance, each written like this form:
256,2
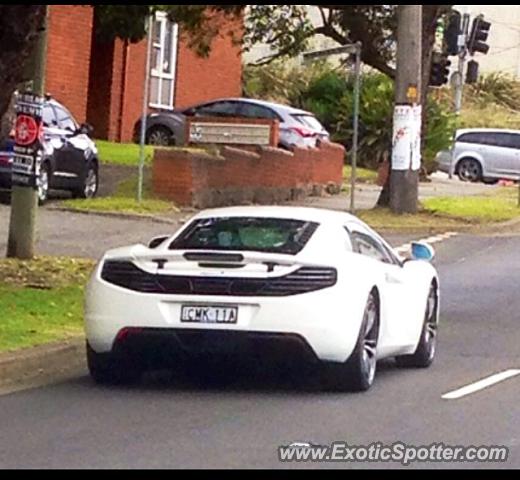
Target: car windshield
266,235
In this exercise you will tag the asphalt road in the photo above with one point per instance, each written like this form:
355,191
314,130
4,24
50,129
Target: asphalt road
90,236
164,423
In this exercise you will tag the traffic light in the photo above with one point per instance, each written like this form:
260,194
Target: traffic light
473,72
452,33
440,72
479,36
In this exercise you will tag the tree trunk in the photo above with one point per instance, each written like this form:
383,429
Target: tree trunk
19,25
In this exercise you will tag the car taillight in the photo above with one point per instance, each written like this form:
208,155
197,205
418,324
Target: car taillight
304,132
126,333
6,158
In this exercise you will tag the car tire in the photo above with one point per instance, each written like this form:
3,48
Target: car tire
469,170
358,373
426,350
160,137
90,184
43,183
490,181
107,369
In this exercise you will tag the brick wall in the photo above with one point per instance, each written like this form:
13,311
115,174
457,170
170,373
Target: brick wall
220,75
118,77
267,175
68,56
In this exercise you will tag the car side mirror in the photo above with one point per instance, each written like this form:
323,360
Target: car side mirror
157,241
85,129
422,252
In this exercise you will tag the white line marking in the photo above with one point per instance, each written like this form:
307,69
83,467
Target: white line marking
432,240
481,385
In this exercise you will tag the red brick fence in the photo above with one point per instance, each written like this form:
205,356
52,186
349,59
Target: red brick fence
232,176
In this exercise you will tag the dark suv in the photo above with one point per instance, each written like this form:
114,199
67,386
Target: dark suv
70,157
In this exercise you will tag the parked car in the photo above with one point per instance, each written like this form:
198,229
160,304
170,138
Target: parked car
270,283
70,157
297,127
6,161
483,155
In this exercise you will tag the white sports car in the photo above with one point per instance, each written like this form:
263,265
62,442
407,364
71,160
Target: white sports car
273,283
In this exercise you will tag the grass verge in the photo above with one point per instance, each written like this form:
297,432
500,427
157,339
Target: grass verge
124,201
41,301
125,154
451,213
500,206
363,175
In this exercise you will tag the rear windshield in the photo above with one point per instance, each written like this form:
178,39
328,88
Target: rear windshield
269,235
310,122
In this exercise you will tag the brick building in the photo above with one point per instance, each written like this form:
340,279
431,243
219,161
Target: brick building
103,83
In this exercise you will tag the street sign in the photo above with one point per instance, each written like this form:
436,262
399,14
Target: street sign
28,134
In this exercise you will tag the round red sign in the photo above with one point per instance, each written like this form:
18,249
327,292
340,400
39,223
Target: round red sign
26,131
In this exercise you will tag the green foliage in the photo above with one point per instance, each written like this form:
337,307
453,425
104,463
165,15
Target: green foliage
279,82
123,21
325,91
496,88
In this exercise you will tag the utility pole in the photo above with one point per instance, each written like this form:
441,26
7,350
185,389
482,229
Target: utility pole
24,200
463,53
406,154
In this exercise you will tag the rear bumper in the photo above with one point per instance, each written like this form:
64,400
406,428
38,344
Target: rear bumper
327,321
168,347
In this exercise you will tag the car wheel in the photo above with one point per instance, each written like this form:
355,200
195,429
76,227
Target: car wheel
107,369
469,170
43,184
358,373
160,137
425,353
90,185
490,181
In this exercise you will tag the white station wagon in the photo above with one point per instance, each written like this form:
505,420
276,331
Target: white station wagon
483,155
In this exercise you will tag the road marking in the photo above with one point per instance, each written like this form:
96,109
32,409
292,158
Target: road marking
481,385
403,249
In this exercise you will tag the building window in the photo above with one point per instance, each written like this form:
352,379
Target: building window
164,63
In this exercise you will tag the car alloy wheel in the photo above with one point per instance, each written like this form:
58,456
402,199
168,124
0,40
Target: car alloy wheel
358,373
427,348
42,184
370,340
91,183
159,137
431,325
470,171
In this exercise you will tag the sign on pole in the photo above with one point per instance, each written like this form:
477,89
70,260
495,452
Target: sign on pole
28,144
406,151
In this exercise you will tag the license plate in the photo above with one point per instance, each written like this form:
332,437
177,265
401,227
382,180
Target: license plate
209,315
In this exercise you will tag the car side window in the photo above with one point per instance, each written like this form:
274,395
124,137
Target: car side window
369,247
250,110
65,120
515,141
480,138
219,109
508,140
474,138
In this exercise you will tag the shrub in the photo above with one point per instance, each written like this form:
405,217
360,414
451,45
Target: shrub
329,94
